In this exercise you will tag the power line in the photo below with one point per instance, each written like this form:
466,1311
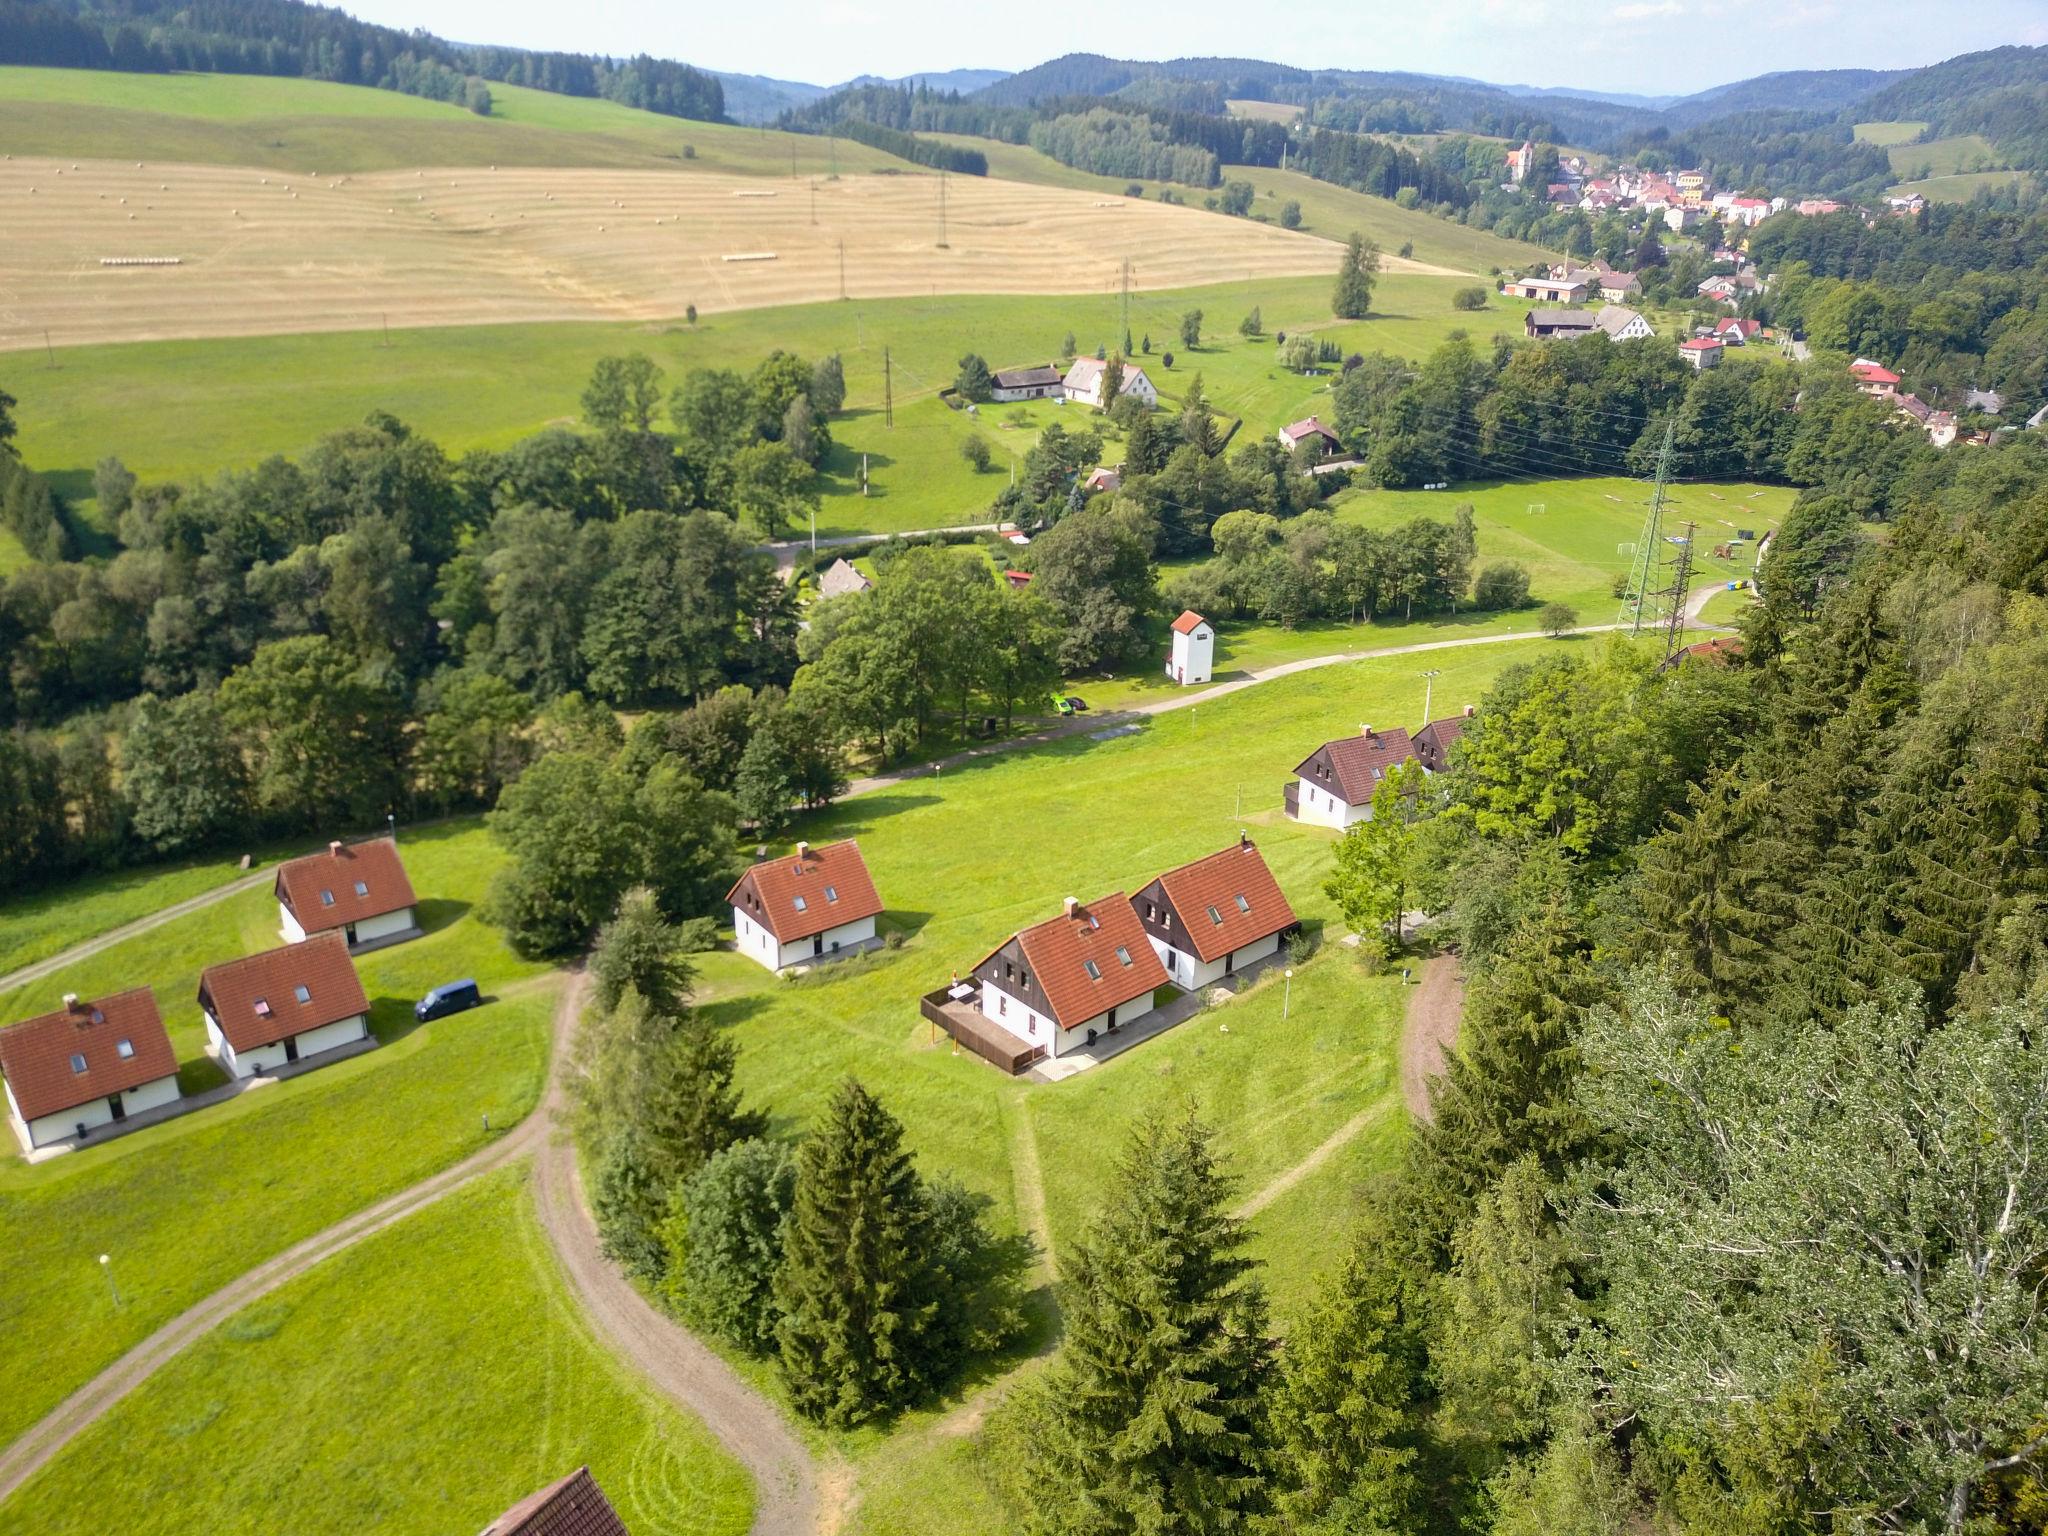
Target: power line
1640,568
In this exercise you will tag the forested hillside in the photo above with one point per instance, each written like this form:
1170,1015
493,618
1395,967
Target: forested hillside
2002,94
288,37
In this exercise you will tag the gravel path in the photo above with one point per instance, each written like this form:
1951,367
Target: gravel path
1430,1029
78,1412
113,936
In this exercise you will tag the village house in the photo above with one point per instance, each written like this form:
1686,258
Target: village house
1874,379
841,577
1334,784
1309,429
1620,287
1018,580
1622,323
1039,382
284,1006
1816,207
1550,289
816,904
89,1064
1066,982
1941,428
572,1506
1989,401
358,890
1701,353
1216,917
1678,218
1083,383
1736,331
1433,743
1721,288
1193,651
1103,479
1543,324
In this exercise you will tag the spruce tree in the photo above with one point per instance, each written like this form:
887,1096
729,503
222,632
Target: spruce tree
641,949
855,1289
1706,894
1353,298
693,1109
1152,1418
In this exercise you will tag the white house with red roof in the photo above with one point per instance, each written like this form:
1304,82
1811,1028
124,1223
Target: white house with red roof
1064,983
1334,784
1737,330
359,890
1083,383
90,1064
1216,917
284,1006
1701,353
1193,652
1874,379
1309,429
817,904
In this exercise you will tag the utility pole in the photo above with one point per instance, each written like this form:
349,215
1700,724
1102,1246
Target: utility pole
942,209
1677,592
49,351
1645,563
1428,691
888,392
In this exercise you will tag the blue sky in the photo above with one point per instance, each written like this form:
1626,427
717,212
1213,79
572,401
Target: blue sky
1652,47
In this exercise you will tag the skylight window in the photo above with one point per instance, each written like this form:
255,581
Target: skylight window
1094,922
1216,917
327,898
1243,905
262,1007
77,1063
1094,971
831,893
1123,954
302,994
124,1049
362,888
800,904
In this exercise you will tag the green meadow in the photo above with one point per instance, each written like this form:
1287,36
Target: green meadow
416,1385
315,126
487,386
186,1206
1888,135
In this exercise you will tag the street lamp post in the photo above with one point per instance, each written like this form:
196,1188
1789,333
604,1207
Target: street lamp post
107,1267
1287,994
1428,691
391,824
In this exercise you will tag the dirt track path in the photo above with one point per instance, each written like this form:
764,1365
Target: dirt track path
1430,1030
679,1366
50,965
86,1406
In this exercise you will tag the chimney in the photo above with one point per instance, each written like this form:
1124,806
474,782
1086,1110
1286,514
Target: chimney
1072,904
334,849
70,1001
1470,711
760,853
1368,730
803,850
1244,838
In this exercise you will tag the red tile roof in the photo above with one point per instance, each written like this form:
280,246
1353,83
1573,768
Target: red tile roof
1061,950
1224,902
1188,622
333,889
37,1054
255,999
808,892
574,1506
1872,373
1700,344
1356,763
1434,741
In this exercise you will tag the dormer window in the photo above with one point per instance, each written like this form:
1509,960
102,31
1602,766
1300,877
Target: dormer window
327,898
77,1063
124,1049
362,889
1094,971
302,994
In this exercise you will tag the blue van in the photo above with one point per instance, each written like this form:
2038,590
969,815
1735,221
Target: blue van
451,997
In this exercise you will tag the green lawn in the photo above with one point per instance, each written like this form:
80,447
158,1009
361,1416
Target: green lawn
1727,607
1961,188
1887,134
417,1385
485,386
1951,156
186,1206
313,125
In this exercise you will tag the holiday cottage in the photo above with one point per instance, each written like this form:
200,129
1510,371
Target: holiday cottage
816,904
1334,784
89,1064
358,890
1063,984
1215,917
284,1006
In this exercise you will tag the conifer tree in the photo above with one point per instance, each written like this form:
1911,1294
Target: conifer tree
1152,1418
1705,890
641,949
855,1289
694,1110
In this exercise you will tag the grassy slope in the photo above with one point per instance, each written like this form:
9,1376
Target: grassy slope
1961,188
1887,134
417,1385
488,385
185,1206
311,125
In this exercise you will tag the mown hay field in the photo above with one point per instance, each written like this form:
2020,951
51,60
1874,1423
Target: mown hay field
267,252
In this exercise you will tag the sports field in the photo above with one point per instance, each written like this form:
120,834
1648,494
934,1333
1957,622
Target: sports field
262,253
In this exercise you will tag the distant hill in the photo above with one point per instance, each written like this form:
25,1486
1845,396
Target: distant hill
763,98
965,81
2001,94
1798,90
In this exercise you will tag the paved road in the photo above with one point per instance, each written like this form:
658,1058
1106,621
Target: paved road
83,1408
785,551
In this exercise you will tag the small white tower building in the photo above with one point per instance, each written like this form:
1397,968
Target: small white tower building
1194,649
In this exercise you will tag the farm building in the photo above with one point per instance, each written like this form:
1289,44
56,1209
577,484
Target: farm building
816,904
1083,383
1037,383
359,890
1193,652
1554,290
841,577
1433,743
1334,784
1065,982
284,1006
1215,917
1543,324
1620,287
572,1506
89,1064
1309,429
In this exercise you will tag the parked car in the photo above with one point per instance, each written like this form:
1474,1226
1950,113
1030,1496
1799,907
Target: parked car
1062,704
450,997
1076,705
